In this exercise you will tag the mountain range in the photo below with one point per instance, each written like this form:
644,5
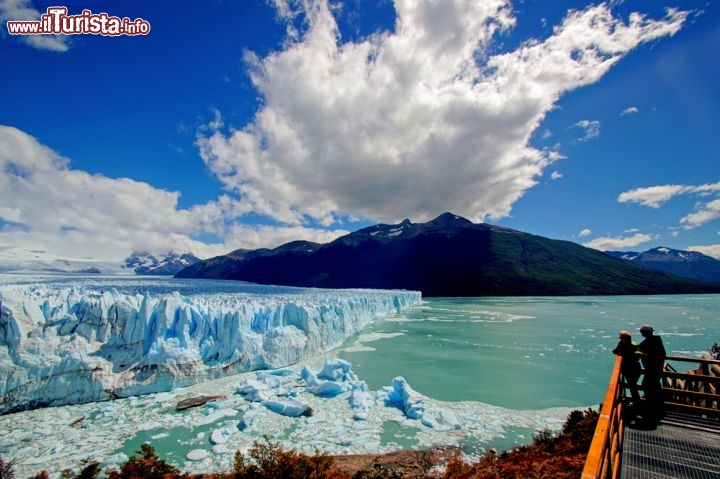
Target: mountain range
142,262
25,260
687,264
448,256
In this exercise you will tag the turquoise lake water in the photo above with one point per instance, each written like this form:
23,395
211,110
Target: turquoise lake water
527,352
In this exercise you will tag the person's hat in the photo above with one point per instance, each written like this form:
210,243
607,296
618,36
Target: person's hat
646,327
624,334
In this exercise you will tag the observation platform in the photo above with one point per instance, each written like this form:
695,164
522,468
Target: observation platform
684,445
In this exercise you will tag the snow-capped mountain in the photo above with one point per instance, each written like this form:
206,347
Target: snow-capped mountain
686,264
142,262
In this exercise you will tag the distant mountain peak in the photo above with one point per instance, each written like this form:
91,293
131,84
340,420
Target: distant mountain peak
686,264
145,263
448,218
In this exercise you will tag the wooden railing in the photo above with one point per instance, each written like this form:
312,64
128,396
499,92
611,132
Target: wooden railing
603,459
696,391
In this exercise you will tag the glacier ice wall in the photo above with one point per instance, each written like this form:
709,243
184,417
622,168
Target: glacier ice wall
63,344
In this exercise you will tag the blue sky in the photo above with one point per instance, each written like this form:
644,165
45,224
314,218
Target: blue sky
252,123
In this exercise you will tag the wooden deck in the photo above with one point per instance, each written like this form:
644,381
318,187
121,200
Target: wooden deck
684,445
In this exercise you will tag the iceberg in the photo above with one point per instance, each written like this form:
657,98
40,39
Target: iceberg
74,342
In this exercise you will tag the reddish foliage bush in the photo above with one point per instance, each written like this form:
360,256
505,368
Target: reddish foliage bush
550,457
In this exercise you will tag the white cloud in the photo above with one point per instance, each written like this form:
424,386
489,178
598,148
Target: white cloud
591,129
652,196
710,250
49,206
407,123
585,232
630,111
655,196
23,10
619,243
704,213
555,175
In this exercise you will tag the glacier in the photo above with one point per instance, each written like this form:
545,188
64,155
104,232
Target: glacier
80,340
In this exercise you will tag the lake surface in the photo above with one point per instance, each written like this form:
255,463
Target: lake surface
527,352
505,367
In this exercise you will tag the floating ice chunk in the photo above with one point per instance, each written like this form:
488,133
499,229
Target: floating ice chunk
254,391
272,382
443,420
220,436
361,400
325,389
275,372
247,419
216,415
336,370
429,421
404,397
291,407
197,455
306,373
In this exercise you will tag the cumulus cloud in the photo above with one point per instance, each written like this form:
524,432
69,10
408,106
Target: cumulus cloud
629,111
23,10
704,213
706,209
412,122
585,232
606,243
710,250
47,205
555,175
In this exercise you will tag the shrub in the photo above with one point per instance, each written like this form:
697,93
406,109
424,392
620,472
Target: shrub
580,425
378,472
550,457
7,469
91,470
270,461
146,465
542,437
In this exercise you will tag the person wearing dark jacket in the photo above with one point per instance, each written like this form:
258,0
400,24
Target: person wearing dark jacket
630,367
652,354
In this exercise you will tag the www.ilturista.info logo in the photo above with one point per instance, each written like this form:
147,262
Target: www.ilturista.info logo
57,22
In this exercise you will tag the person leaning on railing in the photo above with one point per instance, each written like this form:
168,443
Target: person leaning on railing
652,353
630,368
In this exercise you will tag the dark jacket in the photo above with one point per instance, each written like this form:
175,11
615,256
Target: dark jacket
652,354
630,361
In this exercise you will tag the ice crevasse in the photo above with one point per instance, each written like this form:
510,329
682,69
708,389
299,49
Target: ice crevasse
74,344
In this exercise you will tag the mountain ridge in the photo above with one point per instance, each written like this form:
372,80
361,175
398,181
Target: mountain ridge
145,263
686,264
447,256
